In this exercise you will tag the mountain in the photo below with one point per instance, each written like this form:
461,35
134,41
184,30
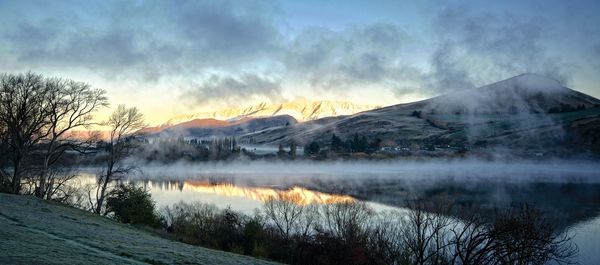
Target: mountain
300,109
526,93
526,112
207,128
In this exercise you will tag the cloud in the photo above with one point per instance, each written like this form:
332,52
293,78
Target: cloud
233,90
341,60
158,43
226,29
89,49
151,39
479,48
103,44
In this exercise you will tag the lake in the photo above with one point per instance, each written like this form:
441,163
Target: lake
569,192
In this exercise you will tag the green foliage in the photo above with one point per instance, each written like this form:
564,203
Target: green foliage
132,205
206,225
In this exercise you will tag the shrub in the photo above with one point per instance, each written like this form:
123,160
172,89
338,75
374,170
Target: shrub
132,205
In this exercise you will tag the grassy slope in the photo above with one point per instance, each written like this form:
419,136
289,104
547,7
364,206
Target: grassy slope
33,231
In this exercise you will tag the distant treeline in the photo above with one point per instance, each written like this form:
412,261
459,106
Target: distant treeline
358,143
566,108
166,150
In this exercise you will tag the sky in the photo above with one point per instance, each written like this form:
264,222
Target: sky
178,57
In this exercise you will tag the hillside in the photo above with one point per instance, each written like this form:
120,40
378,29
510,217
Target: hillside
207,128
39,232
526,112
527,93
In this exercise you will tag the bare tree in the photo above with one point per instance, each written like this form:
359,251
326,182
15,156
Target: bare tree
385,239
289,216
523,235
426,231
518,235
471,242
124,123
347,220
23,115
293,221
70,106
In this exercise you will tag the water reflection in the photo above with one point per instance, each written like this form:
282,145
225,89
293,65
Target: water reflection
305,196
261,194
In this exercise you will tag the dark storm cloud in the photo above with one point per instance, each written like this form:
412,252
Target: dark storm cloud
479,48
233,90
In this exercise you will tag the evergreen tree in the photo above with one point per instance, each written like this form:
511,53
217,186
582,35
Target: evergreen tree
312,149
363,144
281,152
337,144
355,144
292,152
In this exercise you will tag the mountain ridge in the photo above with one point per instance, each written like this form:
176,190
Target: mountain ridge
526,111
300,109
209,128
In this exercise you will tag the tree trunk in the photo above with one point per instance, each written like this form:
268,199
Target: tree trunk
41,191
43,176
50,191
3,176
104,185
16,179
109,171
102,194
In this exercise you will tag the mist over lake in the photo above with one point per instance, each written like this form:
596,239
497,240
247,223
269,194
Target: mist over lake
568,190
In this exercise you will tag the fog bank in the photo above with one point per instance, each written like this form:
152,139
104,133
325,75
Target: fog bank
271,171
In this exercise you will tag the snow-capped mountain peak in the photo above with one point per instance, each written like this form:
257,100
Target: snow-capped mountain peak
300,109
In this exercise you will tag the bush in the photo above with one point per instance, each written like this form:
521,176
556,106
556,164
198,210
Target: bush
132,205
206,225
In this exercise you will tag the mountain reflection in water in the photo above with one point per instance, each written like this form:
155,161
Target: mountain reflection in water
305,196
